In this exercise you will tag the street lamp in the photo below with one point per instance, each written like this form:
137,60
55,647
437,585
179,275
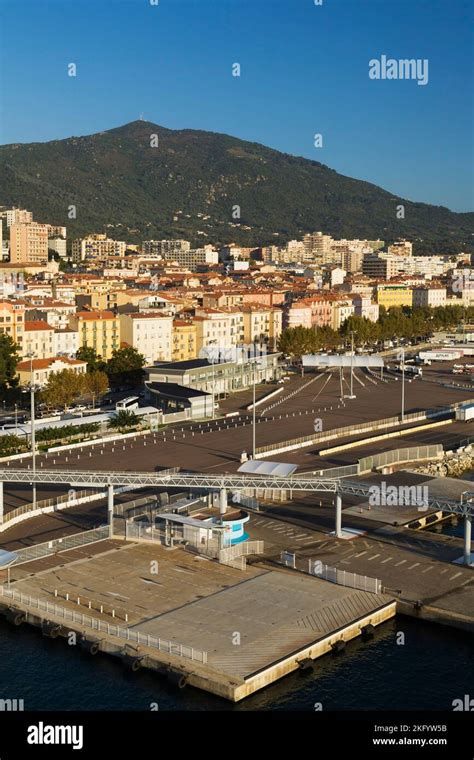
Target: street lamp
403,383
33,432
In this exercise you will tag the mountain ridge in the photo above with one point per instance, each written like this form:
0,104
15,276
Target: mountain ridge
190,183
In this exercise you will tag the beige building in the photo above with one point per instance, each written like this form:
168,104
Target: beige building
218,328
43,368
18,216
184,341
99,330
380,266
149,333
96,247
29,243
38,340
262,324
401,248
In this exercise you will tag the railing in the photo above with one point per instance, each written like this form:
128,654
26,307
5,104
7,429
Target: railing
45,503
361,427
163,645
239,550
331,574
344,578
60,544
409,454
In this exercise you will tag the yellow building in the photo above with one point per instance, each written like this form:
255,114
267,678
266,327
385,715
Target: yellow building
99,330
12,320
183,341
394,295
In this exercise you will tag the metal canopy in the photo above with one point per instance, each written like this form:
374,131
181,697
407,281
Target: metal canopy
340,360
265,467
182,520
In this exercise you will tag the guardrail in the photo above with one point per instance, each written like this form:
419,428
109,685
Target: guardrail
332,574
367,464
37,551
363,427
163,645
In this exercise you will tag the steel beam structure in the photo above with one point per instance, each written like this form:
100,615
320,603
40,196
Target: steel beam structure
175,479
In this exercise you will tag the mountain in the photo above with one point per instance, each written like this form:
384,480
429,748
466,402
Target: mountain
188,185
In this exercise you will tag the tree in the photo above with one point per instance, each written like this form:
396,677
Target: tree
63,388
8,363
296,341
95,385
95,363
125,367
122,420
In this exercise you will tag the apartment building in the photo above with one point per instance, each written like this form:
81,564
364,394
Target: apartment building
365,307
341,310
262,324
39,371
65,342
194,257
96,247
401,248
165,248
99,330
394,295
432,296
218,328
29,243
150,333
17,216
12,320
38,339
184,340
55,313
310,312
380,266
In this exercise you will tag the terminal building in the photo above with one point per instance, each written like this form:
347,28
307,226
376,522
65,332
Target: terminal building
198,383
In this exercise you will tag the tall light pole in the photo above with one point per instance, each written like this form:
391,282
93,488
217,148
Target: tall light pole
352,363
403,384
33,432
253,415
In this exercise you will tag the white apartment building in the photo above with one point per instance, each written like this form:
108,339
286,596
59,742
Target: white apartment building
59,246
218,328
341,310
150,333
38,339
66,342
364,307
431,296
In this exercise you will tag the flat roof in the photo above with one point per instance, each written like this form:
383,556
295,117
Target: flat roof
187,364
174,390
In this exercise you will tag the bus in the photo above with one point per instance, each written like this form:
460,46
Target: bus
131,403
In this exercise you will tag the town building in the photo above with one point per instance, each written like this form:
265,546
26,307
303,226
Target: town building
29,243
150,333
38,371
99,330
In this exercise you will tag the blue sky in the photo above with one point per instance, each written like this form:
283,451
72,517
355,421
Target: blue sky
304,70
